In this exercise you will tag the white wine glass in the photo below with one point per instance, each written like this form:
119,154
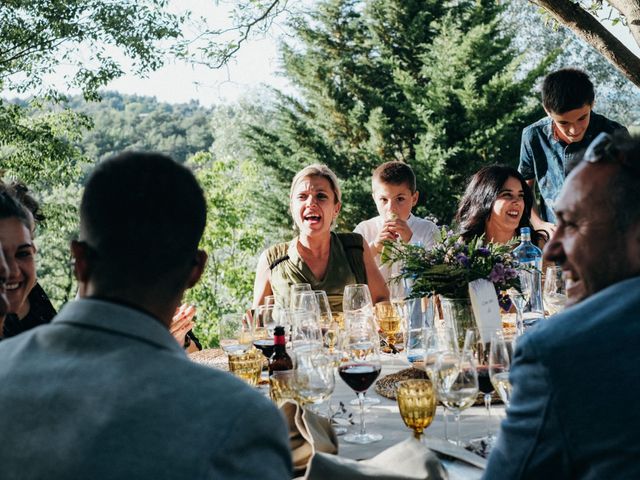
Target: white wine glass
235,333
360,366
357,298
313,377
456,380
500,365
555,294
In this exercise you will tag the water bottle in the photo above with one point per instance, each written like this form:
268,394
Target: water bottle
530,258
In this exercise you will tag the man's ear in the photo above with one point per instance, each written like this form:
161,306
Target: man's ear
414,198
198,268
81,261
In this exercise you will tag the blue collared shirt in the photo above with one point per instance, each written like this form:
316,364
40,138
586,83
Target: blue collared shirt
547,159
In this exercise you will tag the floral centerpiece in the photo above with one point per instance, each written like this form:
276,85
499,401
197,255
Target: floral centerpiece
448,267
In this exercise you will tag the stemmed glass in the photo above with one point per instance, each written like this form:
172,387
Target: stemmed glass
417,404
500,365
437,341
456,379
555,294
295,290
264,325
357,298
389,322
360,366
519,301
313,379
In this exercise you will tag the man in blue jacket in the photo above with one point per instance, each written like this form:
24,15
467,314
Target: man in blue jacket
576,376
104,391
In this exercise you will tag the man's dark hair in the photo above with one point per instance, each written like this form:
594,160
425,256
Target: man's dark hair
567,89
395,173
142,216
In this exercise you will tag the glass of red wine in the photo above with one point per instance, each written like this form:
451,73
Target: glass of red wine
264,325
360,366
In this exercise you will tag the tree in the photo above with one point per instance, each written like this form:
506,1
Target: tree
616,96
427,82
580,17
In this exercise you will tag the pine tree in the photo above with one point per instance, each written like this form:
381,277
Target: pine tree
435,84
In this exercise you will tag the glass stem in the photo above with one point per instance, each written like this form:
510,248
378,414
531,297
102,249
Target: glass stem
487,404
361,402
457,415
446,422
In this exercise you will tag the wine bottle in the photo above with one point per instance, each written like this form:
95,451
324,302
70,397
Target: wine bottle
280,359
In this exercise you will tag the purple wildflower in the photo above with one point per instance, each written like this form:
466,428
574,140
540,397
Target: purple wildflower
497,274
483,251
463,260
510,273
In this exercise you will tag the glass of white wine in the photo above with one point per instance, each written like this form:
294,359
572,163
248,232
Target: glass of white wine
456,380
313,375
500,365
389,322
555,294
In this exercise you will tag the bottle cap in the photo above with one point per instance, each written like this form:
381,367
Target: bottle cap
278,331
524,230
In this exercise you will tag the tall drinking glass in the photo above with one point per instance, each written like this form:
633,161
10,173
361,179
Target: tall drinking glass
456,380
500,365
360,366
555,294
264,325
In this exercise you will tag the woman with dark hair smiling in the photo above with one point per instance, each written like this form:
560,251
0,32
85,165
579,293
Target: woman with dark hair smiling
496,204
29,305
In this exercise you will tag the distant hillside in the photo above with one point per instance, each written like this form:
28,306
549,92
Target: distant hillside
142,123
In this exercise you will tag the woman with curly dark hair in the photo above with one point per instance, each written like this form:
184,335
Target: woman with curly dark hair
496,204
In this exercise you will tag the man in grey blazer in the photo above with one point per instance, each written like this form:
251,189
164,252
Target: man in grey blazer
105,391
576,376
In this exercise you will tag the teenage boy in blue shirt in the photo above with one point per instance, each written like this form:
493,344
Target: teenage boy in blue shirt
551,145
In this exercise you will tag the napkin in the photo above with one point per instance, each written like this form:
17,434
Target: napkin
407,460
308,434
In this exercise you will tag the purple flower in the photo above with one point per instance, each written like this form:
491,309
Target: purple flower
510,273
497,274
463,260
483,251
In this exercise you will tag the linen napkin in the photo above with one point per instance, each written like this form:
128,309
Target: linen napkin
407,460
308,434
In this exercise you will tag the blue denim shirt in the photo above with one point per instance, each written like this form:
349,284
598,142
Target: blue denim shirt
547,159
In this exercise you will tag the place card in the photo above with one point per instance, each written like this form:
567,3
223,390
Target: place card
484,302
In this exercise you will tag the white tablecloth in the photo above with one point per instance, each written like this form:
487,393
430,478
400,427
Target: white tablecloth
385,418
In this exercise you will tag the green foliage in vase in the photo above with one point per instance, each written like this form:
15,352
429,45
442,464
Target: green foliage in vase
447,268
435,84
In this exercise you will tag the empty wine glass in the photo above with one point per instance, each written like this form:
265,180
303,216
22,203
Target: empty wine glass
360,366
456,380
519,301
235,332
417,404
294,290
437,341
356,298
500,365
307,301
305,329
555,294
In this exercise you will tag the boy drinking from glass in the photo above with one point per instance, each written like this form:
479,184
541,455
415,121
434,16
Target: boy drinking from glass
395,194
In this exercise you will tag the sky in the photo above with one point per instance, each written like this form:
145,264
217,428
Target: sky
256,63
